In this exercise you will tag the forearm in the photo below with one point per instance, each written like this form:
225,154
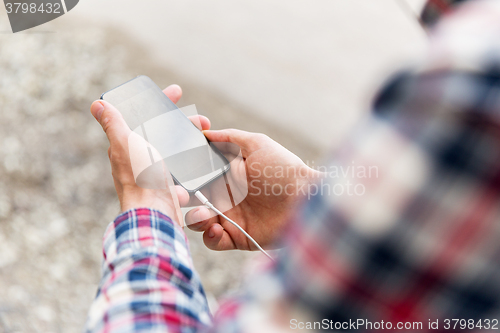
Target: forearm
148,280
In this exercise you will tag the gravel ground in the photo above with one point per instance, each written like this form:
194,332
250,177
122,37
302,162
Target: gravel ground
56,191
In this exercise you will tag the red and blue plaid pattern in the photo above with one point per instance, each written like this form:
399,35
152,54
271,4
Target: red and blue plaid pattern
420,244
149,283
434,9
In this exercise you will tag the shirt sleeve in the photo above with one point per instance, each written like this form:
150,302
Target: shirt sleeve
148,282
403,231
400,233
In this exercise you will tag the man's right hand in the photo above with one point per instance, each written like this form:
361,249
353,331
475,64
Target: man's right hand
262,213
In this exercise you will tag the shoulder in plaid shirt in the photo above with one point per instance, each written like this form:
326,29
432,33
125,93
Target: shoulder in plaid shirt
420,244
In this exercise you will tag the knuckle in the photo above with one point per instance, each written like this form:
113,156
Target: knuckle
230,132
106,121
116,156
262,136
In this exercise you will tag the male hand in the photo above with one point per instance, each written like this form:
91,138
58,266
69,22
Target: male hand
275,178
129,193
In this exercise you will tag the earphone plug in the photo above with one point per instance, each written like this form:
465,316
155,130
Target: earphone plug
201,197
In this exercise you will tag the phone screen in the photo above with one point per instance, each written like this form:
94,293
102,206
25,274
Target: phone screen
189,156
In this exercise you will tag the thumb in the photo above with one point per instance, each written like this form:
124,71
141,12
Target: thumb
111,120
218,239
246,141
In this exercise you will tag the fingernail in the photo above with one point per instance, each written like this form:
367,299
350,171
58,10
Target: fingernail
176,86
96,110
211,233
201,214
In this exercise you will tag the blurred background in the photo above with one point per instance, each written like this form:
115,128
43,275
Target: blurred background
302,72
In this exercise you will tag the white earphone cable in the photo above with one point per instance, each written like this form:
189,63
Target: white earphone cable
207,203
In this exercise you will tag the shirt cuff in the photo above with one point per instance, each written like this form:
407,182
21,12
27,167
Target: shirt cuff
142,228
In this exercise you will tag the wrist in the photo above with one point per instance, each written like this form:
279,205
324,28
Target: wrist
144,198
122,234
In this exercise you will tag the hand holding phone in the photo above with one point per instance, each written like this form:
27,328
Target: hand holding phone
129,194
151,115
261,215
273,196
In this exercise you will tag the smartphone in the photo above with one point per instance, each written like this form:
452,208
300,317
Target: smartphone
191,159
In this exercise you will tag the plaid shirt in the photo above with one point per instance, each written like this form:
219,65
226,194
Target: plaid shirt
434,9
418,242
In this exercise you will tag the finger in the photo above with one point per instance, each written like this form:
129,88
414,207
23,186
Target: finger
200,219
202,122
173,92
245,140
191,202
182,195
217,239
228,149
111,120
194,201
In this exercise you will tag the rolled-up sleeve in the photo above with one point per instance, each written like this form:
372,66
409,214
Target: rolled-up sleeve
148,282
